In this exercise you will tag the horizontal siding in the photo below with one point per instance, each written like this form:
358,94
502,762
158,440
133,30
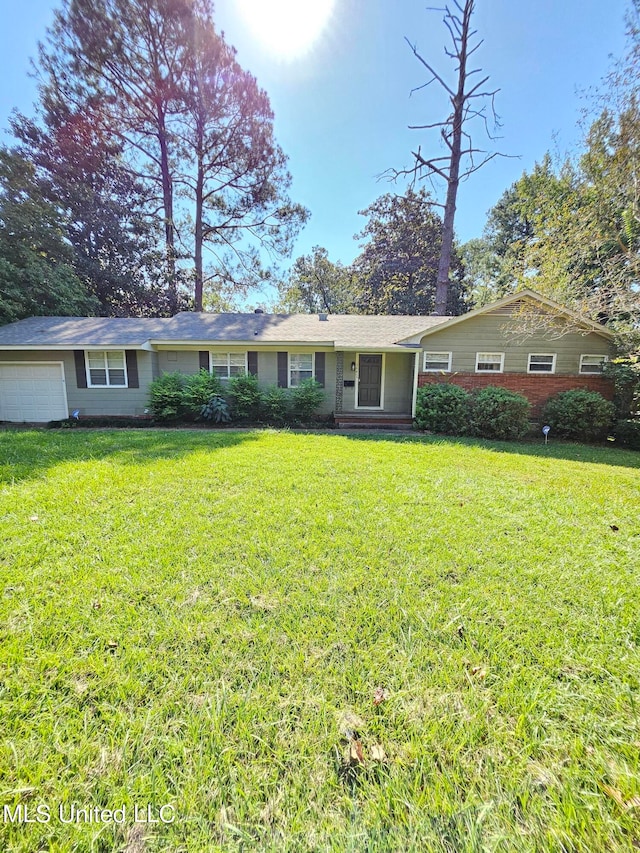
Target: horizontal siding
187,362
94,401
488,333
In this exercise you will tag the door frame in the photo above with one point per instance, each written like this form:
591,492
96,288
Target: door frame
382,377
25,363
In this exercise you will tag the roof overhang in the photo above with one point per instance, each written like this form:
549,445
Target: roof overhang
70,347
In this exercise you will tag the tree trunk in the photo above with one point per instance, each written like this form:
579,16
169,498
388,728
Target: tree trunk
167,201
199,274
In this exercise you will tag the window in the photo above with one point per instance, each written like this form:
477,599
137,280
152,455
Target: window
489,362
437,361
592,363
300,367
228,364
542,363
106,369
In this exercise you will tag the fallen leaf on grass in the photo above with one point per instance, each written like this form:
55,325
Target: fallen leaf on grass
614,527
380,695
478,671
615,794
34,518
356,753
377,752
112,646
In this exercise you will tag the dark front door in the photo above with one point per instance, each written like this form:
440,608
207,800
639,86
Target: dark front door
370,381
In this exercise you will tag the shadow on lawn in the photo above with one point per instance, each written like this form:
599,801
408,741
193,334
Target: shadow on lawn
594,454
28,453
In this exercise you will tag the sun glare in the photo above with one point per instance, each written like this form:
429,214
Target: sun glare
286,28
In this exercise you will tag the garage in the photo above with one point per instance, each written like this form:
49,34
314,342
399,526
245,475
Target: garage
32,391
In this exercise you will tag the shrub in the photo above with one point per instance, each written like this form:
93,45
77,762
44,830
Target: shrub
499,413
245,398
306,399
275,405
625,373
166,397
627,433
443,408
579,414
198,390
216,409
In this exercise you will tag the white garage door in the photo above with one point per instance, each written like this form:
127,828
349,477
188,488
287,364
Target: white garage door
32,392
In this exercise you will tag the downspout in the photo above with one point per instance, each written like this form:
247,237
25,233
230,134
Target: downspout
416,370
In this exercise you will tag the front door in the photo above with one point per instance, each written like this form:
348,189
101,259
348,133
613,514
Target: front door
369,381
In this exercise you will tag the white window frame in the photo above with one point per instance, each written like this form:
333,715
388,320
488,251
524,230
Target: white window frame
551,355
108,384
446,357
603,359
478,360
313,366
228,354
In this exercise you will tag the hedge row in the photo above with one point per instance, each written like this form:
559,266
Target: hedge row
175,397
498,413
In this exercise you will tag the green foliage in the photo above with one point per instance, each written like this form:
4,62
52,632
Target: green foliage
499,413
306,399
198,390
316,284
397,269
217,410
36,263
166,397
245,398
579,414
276,405
625,373
444,408
627,433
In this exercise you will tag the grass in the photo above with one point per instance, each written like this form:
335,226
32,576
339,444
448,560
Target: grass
203,619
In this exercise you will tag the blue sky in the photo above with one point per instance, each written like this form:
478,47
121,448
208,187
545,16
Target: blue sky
342,110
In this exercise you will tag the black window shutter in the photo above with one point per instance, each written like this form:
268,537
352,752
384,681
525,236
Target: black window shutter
204,359
81,373
131,357
283,367
320,368
252,363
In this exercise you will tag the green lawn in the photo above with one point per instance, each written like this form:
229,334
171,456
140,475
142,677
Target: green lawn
202,620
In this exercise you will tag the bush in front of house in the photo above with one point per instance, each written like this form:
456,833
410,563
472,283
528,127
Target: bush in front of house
627,434
625,372
444,408
579,414
166,397
306,399
245,398
198,390
275,405
499,413
216,409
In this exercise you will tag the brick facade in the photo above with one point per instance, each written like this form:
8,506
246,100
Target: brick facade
536,387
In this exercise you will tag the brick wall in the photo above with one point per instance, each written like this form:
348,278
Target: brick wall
537,388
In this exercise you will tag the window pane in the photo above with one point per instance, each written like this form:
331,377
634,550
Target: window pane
541,363
115,359
436,361
592,363
221,370
116,377
98,377
489,361
95,358
301,366
237,364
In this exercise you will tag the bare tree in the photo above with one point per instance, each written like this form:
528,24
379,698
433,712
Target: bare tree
469,100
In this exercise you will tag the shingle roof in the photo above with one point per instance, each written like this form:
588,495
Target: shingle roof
80,331
344,330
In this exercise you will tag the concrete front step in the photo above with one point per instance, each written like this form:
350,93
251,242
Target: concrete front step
377,421
372,425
